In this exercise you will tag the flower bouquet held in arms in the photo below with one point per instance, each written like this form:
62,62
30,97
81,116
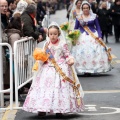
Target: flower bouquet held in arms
39,55
64,26
73,36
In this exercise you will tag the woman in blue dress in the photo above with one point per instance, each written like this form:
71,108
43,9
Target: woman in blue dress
90,54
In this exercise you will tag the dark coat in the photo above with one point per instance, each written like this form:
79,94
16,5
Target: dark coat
115,12
29,28
4,40
104,19
40,11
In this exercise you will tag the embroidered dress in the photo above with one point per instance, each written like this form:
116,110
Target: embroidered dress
72,19
49,92
89,55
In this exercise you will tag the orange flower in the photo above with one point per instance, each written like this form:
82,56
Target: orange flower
40,54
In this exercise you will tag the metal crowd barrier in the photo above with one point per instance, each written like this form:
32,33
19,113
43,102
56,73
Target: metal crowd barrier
10,90
23,62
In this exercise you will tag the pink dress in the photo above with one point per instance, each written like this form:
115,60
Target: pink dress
49,92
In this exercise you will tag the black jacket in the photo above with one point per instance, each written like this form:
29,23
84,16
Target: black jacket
115,12
104,18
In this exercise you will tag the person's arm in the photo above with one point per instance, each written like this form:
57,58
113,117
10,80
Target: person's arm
79,26
67,55
98,28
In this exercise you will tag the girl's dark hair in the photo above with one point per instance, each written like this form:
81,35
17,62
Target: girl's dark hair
15,22
86,4
78,1
56,27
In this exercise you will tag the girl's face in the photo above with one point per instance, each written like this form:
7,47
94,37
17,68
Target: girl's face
86,9
53,34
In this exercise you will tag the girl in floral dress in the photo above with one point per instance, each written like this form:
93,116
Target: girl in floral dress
50,92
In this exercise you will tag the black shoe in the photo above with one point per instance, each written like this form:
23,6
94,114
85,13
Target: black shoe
41,114
59,115
87,74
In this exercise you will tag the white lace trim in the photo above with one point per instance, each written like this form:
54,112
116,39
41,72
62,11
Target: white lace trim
92,17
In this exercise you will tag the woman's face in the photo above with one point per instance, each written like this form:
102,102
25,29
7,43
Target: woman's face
104,5
85,9
118,2
78,4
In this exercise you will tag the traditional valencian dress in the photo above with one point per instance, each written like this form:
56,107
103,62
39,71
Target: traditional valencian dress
49,92
72,19
89,54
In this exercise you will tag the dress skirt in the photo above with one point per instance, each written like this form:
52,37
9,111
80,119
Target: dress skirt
90,56
49,92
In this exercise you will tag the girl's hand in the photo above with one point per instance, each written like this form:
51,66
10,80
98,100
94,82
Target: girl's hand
100,38
45,30
70,62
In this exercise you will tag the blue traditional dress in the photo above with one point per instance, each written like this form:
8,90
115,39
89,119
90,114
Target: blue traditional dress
89,54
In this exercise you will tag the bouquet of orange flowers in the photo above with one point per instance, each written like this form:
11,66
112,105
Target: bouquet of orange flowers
64,26
73,36
39,54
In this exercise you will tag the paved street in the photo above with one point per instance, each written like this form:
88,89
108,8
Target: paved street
102,92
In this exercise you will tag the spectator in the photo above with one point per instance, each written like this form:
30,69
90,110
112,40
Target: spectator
115,12
4,24
3,10
40,11
104,20
11,7
14,30
29,25
14,33
21,6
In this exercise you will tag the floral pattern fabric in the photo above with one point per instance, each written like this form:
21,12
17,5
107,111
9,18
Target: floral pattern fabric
90,56
49,92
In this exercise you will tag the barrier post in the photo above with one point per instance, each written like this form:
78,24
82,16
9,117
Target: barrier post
1,71
11,79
